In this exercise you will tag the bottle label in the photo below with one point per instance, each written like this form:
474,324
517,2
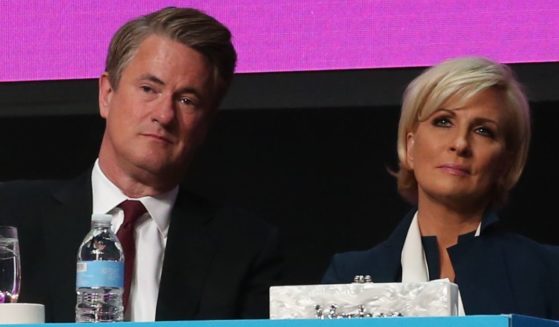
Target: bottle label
100,274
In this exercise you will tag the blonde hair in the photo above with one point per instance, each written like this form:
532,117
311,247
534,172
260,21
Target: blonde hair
462,79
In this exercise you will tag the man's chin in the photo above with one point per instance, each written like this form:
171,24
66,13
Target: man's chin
154,168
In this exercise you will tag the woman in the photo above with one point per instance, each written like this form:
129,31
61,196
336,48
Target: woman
462,144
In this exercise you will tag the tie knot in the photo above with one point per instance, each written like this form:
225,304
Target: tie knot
133,209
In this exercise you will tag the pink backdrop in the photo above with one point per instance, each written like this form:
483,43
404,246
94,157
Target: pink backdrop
67,39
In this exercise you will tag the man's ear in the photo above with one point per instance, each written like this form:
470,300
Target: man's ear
105,94
410,142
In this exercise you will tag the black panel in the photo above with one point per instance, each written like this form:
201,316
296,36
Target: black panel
321,89
318,174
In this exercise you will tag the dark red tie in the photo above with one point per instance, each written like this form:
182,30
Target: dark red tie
132,211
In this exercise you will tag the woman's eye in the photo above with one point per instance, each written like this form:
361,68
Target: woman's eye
484,131
442,122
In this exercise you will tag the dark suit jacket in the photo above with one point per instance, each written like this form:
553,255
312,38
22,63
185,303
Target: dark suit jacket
497,272
218,264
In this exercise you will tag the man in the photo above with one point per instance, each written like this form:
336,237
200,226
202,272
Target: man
166,74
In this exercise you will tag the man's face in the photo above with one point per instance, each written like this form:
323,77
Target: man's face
158,112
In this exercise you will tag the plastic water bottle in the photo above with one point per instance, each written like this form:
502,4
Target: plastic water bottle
100,274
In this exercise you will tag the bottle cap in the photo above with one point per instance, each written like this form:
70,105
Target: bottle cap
101,218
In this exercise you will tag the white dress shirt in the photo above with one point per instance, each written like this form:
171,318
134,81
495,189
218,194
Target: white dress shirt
150,239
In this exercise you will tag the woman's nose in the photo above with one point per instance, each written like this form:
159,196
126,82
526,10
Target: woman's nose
461,145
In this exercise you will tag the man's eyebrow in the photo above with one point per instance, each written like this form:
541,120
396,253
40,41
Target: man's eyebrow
152,78
190,90
186,89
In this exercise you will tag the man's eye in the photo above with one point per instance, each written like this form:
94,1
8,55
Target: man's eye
147,89
186,101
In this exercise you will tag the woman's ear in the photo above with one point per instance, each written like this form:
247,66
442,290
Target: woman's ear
410,142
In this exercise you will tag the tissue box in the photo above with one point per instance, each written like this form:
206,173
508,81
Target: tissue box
435,298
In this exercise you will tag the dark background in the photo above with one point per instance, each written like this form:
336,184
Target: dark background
308,151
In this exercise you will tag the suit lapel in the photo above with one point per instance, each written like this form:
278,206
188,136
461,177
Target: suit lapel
482,275
188,255
385,263
65,227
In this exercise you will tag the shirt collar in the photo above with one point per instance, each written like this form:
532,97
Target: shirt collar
489,218
106,196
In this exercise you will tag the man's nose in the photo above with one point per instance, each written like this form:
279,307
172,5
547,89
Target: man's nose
165,111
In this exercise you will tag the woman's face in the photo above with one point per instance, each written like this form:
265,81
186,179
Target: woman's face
458,153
